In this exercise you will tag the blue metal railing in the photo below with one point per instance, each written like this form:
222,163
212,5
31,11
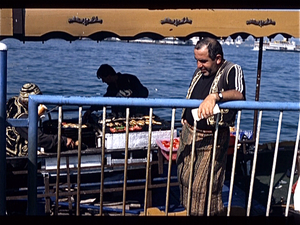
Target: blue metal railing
32,123
35,100
3,81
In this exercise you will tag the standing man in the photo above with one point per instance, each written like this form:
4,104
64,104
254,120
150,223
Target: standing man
215,80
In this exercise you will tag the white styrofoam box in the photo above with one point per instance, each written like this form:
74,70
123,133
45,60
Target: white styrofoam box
136,139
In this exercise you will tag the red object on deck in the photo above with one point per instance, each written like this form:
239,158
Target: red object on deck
294,187
164,146
231,144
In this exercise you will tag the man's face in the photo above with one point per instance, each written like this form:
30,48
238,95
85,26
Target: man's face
205,63
106,79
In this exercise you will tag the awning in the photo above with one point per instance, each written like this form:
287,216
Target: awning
97,24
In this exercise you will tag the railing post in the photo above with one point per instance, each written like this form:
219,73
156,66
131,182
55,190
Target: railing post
125,161
58,159
3,87
32,156
79,161
254,165
102,160
170,161
188,207
234,161
148,161
293,170
213,159
274,164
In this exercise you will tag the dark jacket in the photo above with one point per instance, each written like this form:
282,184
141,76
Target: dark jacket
126,84
17,137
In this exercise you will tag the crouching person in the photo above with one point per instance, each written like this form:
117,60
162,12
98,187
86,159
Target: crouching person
17,137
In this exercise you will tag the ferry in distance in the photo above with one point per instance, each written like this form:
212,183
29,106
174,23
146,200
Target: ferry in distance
278,45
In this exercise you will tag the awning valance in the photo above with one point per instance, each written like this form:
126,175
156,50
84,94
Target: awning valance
97,24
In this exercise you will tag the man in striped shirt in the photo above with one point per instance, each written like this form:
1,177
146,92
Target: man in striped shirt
215,80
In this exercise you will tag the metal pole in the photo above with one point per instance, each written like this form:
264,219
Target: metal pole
32,156
274,164
254,165
102,160
3,87
293,170
58,158
234,161
188,206
213,164
79,161
170,160
125,161
261,39
148,160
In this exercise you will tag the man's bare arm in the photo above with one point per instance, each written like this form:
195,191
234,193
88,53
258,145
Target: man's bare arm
206,107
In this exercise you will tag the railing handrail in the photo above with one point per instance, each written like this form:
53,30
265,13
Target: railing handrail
153,102
161,102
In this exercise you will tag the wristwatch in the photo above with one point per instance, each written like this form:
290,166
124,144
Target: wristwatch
220,95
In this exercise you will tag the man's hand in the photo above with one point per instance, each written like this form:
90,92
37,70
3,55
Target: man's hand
205,109
124,93
70,143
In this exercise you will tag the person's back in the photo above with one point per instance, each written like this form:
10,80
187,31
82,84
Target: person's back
15,144
17,137
121,85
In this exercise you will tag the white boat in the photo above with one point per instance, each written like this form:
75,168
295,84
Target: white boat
256,46
238,41
174,41
279,45
144,40
283,45
165,41
229,41
112,39
194,40
221,41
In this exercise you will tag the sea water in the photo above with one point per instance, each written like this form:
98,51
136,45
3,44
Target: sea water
59,67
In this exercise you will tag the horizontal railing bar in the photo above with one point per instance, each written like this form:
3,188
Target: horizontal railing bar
22,122
156,182
165,103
